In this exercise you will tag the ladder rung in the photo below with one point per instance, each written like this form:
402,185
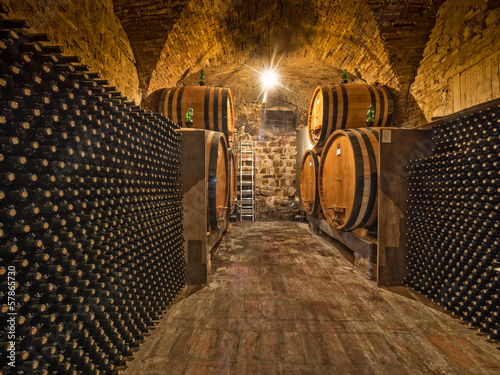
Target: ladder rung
246,144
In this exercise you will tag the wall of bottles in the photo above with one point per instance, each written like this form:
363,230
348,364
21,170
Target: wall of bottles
90,212
453,220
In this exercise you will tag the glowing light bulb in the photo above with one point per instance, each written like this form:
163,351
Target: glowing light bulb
269,79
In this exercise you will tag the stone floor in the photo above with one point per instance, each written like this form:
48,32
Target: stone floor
282,300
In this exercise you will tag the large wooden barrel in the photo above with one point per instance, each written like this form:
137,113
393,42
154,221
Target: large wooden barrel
218,178
212,108
348,178
344,106
233,180
309,183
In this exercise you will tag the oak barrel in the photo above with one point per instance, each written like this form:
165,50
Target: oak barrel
309,183
212,108
347,178
233,178
217,165
344,106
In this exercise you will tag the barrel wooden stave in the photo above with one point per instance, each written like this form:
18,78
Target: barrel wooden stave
344,106
209,111
217,166
348,178
309,183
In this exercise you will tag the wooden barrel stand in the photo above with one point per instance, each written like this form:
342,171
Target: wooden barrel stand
205,189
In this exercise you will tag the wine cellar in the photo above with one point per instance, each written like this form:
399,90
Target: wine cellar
270,187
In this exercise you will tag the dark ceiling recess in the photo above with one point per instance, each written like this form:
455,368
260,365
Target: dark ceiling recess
405,27
148,24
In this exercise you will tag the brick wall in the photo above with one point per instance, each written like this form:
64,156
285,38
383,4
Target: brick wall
85,28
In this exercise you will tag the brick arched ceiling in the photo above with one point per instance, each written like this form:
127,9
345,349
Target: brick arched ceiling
172,39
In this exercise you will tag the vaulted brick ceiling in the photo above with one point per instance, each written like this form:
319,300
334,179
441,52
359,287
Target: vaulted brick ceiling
384,39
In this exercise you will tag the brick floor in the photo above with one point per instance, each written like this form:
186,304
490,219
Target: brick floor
282,300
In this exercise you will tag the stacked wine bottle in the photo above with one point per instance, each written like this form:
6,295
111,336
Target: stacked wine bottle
453,219
90,210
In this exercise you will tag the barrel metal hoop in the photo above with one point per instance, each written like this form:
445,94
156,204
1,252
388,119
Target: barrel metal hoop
179,106
373,178
161,107
170,101
216,109
224,113
317,204
360,179
206,106
335,109
345,99
212,180
390,106
374,132
372,97
382,106
230,169
324,123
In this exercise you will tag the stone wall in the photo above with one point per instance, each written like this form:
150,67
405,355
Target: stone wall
88,29
275,182
275,164
466,32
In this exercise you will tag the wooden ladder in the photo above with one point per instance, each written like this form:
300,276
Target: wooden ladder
246,182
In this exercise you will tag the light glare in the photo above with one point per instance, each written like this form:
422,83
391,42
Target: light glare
269,79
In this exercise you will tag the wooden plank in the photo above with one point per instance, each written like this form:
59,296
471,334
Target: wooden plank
365,248
463,91
405,145
477,83
195,204
455,89
468,88
485,89
495,76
